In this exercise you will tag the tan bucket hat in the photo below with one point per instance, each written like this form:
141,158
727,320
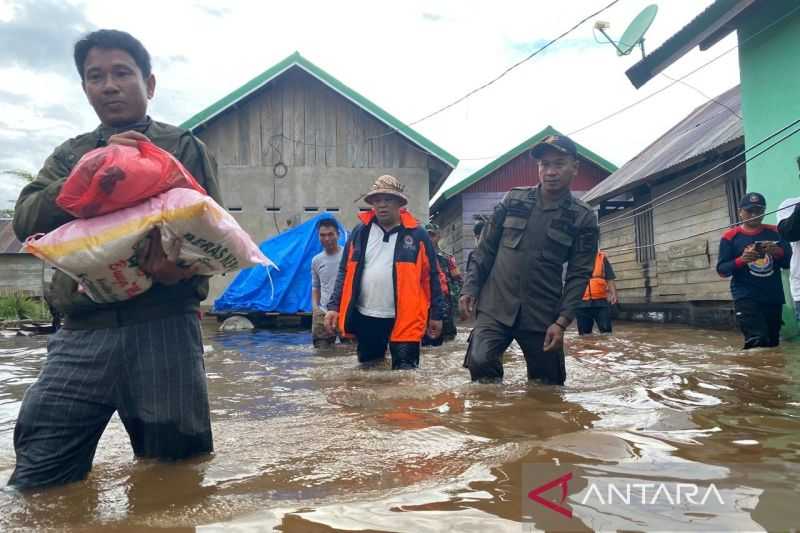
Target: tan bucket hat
387,184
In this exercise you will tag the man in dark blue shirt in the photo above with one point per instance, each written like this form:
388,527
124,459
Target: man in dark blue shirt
752,254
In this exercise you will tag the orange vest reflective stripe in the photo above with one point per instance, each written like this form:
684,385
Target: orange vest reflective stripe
597,288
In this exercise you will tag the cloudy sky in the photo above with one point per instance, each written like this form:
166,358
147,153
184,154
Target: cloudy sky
409,57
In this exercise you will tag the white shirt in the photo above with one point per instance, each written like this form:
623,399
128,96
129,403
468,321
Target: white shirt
376,298
794,264
324,269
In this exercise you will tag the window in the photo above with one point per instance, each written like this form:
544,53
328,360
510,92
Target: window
644,231
235,209
311,209
735,188
332,209
645,239
272,209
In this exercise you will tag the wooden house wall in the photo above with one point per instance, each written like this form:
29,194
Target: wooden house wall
21,273
617,240
683,271
336,132
333,149
687,269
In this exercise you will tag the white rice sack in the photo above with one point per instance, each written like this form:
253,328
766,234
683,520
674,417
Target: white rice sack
211,241
100,253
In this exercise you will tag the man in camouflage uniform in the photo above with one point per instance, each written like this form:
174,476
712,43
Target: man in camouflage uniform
515,274
142,358
451,287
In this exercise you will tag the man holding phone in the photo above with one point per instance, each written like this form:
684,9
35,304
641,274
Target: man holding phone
752,254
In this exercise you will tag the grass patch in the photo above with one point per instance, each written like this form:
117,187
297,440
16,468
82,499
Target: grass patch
20,307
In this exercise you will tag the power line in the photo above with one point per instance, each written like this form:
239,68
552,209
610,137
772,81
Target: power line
771,146
649,96
531,56
461,99
635,103
470,93
682,132
678,80
633,248
704,95
512,67
640,209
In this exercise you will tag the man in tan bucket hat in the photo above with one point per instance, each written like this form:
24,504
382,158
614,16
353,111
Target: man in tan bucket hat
388,281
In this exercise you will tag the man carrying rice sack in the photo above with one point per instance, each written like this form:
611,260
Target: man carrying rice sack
142,357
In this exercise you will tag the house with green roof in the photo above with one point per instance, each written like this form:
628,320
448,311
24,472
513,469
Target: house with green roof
477,194
768,42
294,141
662,213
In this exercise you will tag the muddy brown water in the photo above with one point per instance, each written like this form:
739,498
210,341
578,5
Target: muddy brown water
311,442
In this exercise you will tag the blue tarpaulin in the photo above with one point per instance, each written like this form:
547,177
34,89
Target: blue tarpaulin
290,291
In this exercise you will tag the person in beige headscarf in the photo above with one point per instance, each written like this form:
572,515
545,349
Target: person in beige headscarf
388,281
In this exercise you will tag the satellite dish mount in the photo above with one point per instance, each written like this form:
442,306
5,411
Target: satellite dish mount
634,34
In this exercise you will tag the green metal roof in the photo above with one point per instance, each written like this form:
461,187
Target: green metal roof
706,29
512,154
296,60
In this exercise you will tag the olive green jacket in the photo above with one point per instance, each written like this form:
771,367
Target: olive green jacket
517,272
36,211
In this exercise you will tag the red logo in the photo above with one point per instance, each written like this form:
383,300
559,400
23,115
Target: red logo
563,481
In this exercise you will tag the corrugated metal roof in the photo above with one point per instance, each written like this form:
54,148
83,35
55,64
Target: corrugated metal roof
8,241
708,127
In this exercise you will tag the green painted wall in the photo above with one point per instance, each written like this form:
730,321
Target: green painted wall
769,67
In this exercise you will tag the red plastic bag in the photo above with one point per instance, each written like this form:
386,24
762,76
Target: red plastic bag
114,177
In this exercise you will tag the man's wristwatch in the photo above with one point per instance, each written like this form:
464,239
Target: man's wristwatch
559,324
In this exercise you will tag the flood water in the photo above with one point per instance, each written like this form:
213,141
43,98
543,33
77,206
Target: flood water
311,442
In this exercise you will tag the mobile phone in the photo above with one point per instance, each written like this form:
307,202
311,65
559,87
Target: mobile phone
761,247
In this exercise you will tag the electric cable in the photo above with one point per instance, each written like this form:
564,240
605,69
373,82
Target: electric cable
671,84
648,206
681,78
470,93
532,55
636,247
515,65
704,95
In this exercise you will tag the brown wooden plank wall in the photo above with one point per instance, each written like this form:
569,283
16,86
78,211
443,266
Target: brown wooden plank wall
334,132
617,240
685,270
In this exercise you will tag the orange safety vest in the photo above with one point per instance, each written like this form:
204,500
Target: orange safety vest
417,291
597,288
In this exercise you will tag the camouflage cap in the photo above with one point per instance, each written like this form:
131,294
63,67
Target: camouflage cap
562,143
387,184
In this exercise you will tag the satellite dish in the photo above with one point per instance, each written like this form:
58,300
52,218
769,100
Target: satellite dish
634,34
